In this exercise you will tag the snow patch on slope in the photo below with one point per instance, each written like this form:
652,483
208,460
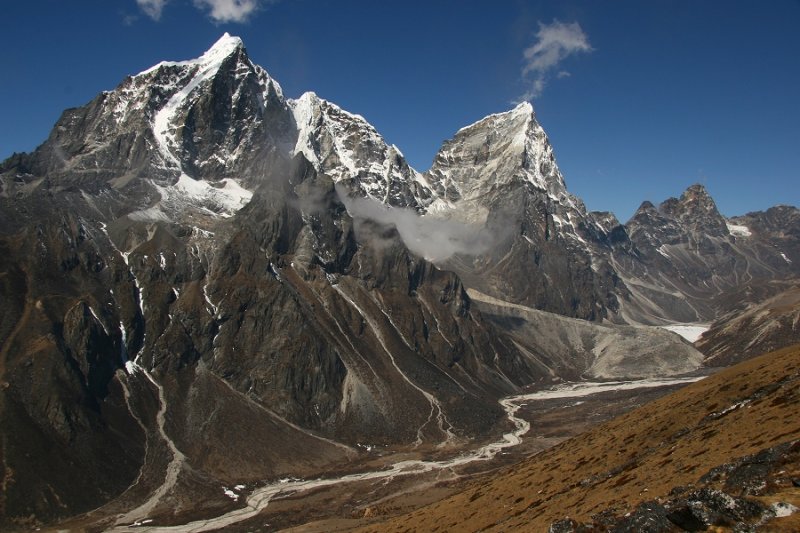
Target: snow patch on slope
222,200
221,49
690,332
738,230
346,147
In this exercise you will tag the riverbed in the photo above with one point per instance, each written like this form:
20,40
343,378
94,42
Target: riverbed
404,481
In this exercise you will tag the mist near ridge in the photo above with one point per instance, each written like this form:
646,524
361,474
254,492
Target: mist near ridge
435,239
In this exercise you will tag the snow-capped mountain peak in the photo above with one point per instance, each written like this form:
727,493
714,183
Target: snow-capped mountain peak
501,151
179,122
225,46
347,148
219,51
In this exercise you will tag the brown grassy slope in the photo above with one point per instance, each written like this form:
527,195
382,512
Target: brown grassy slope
636,457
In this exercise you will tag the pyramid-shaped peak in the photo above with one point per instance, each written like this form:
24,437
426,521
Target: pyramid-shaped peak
519,115
523,107
224,47
696,192
227,43
695,209
647,205
696,199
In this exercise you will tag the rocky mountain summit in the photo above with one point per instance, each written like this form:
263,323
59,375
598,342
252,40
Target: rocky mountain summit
691,264
204,283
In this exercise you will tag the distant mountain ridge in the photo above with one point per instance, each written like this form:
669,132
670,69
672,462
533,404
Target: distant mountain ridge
193,248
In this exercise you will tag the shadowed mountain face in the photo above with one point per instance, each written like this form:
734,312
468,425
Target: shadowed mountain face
204,283
274,318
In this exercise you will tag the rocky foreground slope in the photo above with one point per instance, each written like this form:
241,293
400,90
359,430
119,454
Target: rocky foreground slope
205,283
723,452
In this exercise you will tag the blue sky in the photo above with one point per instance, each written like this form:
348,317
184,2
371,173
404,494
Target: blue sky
640,99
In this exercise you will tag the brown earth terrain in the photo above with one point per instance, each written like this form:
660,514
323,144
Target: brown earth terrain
733,436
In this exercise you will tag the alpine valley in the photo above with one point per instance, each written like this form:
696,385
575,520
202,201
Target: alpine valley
211,294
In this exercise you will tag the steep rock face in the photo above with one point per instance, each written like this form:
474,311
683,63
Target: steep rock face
70,438
495,153
180,131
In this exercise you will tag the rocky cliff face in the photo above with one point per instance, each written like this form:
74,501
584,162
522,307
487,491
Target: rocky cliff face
500,173
349,150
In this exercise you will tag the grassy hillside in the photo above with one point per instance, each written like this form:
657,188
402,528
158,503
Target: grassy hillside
723,433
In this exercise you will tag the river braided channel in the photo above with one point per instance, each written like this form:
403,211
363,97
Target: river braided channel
260,498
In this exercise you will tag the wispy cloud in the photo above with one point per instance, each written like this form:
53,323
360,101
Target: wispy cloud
229,10
432,238
152,8
218,10
554,43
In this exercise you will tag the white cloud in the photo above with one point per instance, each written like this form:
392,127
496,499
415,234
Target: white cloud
554,43
152,8
432,238
228,10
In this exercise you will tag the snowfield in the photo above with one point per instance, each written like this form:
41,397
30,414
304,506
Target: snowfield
690,332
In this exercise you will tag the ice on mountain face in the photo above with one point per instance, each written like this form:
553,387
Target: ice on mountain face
220,200
325,131
173,90
738,230
207,67
524,108
306,114
499,152
164,95
690,332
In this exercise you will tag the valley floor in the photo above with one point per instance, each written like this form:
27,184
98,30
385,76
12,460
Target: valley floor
393,482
